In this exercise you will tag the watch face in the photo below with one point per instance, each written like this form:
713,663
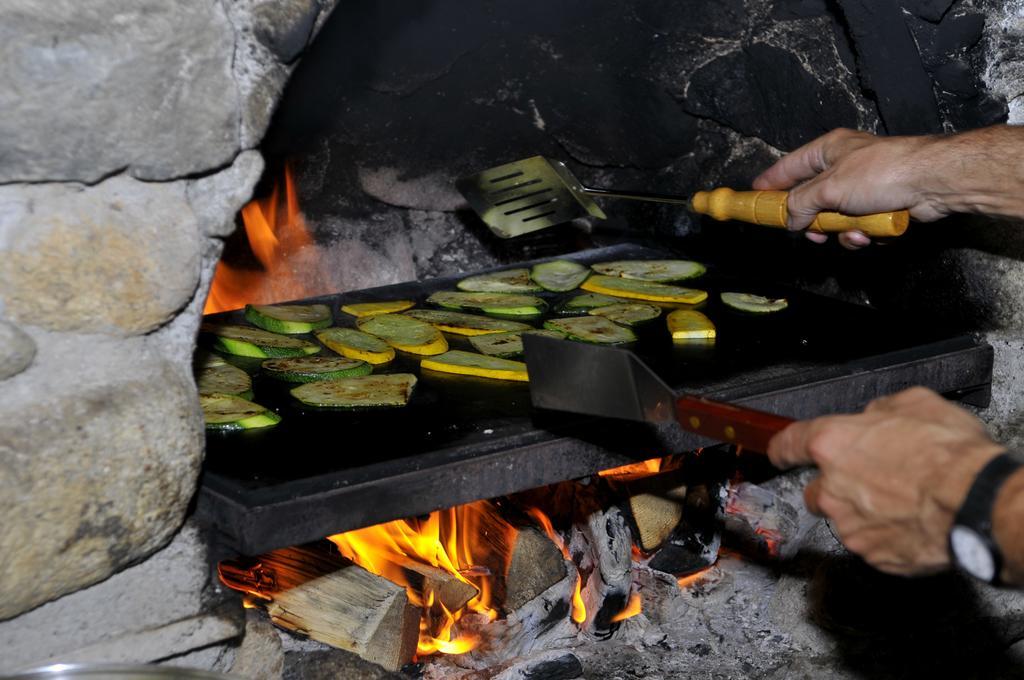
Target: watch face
972,553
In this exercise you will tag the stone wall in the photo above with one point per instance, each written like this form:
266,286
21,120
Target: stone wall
126,149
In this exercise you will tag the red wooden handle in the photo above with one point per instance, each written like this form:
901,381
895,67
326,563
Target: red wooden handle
728,423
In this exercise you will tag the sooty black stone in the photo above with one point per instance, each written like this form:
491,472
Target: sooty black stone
890,66
764,91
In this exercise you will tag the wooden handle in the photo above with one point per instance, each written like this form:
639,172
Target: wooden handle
768,208
728,423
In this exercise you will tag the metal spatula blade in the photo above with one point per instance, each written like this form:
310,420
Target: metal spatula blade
527,195
595,380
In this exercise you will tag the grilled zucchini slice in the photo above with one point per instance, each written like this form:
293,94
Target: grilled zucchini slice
490,303
507,281
354,344
365,391
580,304
228,412
686,325
223,378
289,318
365,309
756,304
594,329
643,290
506,345
311,369
244,341
405,333
660,271
471,363
628,313
465,324
560,275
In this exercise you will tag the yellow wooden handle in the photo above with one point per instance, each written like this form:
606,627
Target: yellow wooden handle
768,208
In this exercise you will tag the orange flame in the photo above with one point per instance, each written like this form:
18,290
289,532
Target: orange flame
281,243
692,579
449,540
633,607
579,610
643,468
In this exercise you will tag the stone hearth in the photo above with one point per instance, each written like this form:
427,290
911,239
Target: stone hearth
133,132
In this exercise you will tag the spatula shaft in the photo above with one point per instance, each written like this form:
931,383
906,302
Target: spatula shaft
725,422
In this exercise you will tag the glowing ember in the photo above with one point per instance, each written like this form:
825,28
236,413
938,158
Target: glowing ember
633,607
579,610
453,540
282,245
693,579
643,468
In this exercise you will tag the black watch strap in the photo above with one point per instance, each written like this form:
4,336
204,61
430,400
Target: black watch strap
976,512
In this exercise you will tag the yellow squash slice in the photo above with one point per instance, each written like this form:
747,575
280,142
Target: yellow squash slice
686,325
365,309
405,333
348,342
643,290
470,363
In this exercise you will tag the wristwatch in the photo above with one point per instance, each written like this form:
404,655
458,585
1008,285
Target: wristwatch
970,540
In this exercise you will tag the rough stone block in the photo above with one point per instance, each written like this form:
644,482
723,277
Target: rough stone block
119,257
142,84
16,350
163,606
100,446
261,655
217,198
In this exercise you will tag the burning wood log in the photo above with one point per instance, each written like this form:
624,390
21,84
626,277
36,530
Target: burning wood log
536,565
448,589
760,522
656,505
608,588
327,598
693,543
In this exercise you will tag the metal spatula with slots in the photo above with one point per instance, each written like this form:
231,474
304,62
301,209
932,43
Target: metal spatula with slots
537,193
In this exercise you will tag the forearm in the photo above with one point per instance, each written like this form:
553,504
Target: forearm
980,171
1008,527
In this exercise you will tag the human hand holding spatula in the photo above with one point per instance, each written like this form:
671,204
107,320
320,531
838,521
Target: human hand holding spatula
537,193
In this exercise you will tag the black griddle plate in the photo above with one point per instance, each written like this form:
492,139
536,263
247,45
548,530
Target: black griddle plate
462,439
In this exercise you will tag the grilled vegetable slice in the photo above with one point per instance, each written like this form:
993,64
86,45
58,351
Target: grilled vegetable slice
253,342
393,389
508,281
228,412
289,318
465,324
651,270
756,304
687,325
506,345
311,369
405,333
643,290
490,303
628,313
355,344
364,309
587,301
560,275
595,329
470,363
224,378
